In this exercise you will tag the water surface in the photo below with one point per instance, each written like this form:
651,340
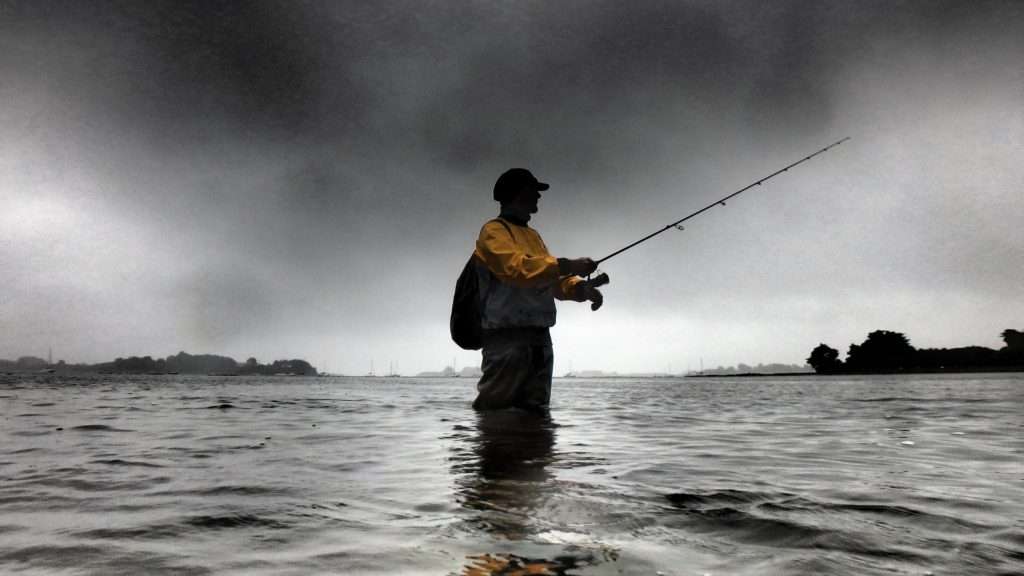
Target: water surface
235,475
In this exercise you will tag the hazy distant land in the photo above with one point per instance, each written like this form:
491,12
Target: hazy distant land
180,363
883,352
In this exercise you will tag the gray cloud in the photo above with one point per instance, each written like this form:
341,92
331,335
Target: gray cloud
329,163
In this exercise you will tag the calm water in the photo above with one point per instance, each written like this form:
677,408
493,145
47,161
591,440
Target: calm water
183,475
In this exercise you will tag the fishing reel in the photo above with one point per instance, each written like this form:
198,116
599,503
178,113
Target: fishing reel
597,281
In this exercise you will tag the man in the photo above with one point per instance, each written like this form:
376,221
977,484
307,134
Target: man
519,281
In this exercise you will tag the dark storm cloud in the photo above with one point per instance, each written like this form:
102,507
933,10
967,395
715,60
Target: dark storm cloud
515,81
315,159
179,66
559,85
594,85
582,83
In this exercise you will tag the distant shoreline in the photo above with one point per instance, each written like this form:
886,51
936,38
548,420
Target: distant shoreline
751,375
957,371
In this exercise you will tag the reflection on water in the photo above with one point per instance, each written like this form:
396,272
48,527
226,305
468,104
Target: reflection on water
503,470
502,476
512,565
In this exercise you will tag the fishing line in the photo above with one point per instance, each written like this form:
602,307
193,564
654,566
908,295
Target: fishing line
677,223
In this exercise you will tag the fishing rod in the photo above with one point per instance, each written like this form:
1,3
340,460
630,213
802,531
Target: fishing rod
677,223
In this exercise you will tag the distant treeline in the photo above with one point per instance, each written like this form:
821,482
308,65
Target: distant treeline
180,363
890,352
25,363
741,368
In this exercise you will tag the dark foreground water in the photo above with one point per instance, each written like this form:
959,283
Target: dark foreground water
183,475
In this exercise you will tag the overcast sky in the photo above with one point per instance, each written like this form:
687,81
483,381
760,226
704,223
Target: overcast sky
286,179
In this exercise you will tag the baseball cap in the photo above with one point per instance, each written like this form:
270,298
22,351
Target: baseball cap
513,180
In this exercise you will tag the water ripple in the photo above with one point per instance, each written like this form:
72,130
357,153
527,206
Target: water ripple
197,475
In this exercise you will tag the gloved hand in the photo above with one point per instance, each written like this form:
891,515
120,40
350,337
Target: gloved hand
595,297
587,290
576,266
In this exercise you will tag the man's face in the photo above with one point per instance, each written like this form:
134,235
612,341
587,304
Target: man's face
527,199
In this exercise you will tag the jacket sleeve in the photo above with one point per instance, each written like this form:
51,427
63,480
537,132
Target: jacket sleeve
566,288
509,262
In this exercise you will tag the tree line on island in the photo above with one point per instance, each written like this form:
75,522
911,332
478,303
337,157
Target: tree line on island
886,352
180,363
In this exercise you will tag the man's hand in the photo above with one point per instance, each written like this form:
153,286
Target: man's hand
587,290
576,266
595,297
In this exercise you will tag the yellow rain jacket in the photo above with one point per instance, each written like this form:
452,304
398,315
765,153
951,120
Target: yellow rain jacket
519,279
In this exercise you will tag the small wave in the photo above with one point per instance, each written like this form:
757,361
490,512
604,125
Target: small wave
53,555
894,399
767,519
120,462
688,500
241,490
220,437
234,521
984,555
141,533
922,400
104,486
920,518
34,502
746,527
221,406
96,560
98,428
1011,536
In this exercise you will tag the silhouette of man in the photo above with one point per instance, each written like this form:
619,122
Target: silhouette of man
519,282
